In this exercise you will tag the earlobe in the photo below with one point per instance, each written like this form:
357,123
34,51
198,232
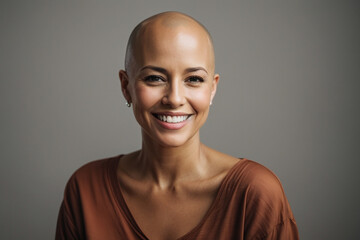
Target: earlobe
124,81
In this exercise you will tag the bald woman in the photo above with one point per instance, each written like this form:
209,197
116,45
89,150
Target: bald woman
174,187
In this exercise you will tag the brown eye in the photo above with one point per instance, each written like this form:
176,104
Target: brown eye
153,78
195,79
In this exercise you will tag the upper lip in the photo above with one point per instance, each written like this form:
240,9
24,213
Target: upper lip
172,113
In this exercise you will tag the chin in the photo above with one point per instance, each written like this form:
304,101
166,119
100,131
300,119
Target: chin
173,141
168,139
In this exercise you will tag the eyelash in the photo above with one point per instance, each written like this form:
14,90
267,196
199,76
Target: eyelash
197,79
153,78
192,79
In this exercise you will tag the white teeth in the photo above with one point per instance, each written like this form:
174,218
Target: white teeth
172,119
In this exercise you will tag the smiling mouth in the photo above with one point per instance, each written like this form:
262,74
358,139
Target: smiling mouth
172,119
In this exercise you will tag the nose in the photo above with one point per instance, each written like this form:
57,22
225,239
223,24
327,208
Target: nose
174,95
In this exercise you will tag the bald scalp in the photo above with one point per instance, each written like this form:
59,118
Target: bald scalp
170,20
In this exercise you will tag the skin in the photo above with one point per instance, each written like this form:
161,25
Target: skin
171,182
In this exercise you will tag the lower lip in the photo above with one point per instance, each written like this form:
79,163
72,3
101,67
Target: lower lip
172,126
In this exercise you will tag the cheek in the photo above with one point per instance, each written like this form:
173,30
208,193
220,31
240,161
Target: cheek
200,99
143,99
146,97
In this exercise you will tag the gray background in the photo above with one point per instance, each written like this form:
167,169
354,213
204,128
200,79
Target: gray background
288,98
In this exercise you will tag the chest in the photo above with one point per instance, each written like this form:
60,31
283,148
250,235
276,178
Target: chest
165,216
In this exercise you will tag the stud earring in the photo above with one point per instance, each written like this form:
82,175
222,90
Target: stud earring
128,104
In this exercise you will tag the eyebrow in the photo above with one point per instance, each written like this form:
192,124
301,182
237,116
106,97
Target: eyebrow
194,69
164,71
157,69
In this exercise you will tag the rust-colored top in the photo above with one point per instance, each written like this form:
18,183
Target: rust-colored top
250,204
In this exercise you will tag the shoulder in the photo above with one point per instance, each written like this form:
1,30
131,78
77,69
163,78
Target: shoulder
259,183
254,194
258,177
90,175
86,190
242,173
95,168
260,190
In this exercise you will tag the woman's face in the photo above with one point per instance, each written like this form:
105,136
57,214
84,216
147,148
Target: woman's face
171,85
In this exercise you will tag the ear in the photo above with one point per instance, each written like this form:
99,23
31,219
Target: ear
124,80
214,86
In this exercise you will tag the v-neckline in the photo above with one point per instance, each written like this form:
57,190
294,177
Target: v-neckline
124,209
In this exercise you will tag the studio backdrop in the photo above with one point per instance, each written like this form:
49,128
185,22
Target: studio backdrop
288,98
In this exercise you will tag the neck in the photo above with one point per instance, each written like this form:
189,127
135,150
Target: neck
166,166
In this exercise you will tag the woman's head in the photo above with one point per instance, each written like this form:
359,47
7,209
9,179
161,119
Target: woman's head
169,77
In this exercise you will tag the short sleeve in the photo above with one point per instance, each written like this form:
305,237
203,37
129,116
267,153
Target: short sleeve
286,230
268,213
69,218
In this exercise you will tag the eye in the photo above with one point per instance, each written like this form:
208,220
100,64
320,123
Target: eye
153,79
195,80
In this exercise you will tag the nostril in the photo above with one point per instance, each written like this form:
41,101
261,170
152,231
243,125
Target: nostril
174,97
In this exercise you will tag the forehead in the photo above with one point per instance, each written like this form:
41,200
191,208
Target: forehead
173,41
